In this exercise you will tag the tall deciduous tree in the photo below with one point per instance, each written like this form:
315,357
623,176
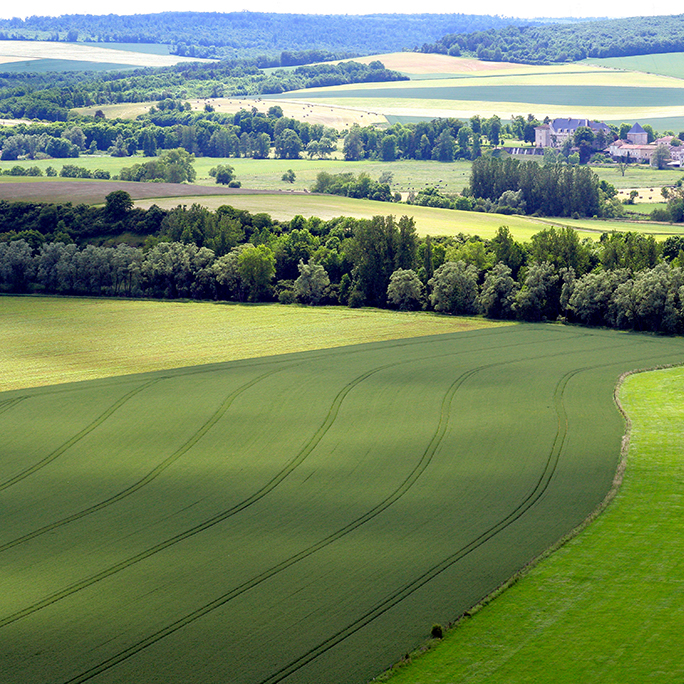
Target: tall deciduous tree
405,290
454,288
256,267
312,283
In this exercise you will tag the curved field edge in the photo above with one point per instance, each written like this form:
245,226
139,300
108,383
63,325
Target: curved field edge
51,340
601,606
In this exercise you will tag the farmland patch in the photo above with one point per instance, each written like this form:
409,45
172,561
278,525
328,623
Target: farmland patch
201,545
581,96
21,50
666,64
50,340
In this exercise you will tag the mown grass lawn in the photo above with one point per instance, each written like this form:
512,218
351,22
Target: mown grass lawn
609,605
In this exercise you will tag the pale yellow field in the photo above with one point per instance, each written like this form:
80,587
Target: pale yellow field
332,114
50,340
464,109
6,59
429,221
20,50
566,75
426,63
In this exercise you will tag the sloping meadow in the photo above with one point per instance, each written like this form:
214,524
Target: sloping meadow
300,518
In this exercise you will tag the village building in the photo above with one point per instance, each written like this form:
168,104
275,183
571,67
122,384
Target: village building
631,152
637,149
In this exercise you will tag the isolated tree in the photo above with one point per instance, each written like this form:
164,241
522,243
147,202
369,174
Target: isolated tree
223,173
289,176
177,166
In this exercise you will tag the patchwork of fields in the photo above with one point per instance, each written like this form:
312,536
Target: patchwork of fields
453,86
43,56
298,518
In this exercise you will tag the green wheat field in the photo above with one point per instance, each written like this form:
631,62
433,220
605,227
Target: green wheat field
303,517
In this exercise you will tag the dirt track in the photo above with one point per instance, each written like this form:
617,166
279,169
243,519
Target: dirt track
94,192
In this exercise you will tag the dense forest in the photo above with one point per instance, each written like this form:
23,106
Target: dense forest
624,280
567,42
248,34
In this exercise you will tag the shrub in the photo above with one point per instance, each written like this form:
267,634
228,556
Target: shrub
437,631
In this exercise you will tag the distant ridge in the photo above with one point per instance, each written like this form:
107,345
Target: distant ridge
248,34
568,42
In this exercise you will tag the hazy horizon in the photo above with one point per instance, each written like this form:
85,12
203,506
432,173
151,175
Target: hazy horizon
534,9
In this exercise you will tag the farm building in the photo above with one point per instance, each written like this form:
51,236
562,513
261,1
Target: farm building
628,150
556,132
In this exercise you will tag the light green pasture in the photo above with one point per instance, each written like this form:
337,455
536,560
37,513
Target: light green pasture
50,340
638,176
266,174
668,64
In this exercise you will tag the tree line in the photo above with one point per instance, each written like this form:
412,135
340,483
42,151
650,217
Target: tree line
505,186
624,280
169,125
